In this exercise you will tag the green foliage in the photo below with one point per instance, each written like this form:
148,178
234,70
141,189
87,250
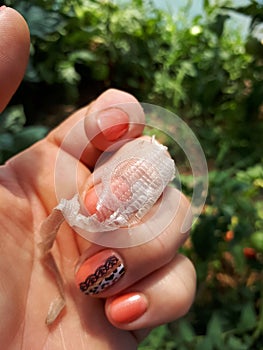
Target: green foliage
201,70
208,73
226,247
14,137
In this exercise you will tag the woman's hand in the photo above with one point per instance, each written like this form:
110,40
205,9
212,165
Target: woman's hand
158,285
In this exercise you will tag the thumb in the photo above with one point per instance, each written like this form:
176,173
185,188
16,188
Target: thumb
14,52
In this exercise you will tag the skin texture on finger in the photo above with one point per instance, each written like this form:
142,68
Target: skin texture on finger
169,292
16,245
70,137
14,52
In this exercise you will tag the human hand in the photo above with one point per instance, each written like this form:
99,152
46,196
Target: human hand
158,285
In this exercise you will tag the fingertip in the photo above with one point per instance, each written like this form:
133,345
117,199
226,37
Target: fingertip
113,123
14,52
14,24
127,308
115,116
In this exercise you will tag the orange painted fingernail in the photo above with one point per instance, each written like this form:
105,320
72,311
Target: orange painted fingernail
99,272
91,200
128,308
113,123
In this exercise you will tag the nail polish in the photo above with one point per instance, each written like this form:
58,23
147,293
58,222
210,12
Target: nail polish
91,200
119,188
91,204
128,308
113,123
99,272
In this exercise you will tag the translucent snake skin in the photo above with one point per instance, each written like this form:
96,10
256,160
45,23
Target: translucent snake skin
132,180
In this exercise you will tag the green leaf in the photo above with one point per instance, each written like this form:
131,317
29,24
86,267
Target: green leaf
235,343
85,56
256,240
28,136
215,331
214,328
156,339
100,72
186,331
6,142
205,344
248,319
68,72
31,74
13,119
40,21
218,25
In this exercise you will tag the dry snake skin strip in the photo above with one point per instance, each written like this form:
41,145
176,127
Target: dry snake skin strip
132,181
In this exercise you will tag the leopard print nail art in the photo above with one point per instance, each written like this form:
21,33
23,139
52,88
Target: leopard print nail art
105,276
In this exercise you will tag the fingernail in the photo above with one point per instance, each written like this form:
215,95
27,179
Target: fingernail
91,200
128,308
113,123
99,272
119,188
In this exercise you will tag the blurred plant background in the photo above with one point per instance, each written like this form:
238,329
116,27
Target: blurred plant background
208,71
